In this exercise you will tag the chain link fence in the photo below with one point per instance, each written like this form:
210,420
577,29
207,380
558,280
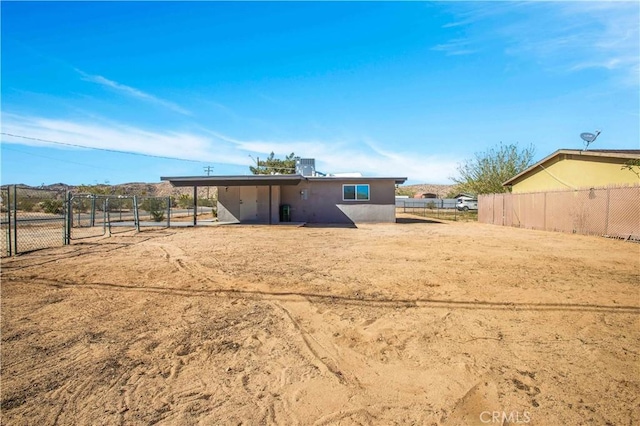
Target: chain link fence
611,212
31,219
434,208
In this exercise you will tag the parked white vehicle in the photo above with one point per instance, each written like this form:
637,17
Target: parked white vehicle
466,204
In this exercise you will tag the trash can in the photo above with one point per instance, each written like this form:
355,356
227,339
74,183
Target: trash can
285,213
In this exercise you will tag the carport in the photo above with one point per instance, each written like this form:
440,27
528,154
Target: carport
227,182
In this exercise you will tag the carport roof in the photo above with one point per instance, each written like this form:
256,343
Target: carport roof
249,180
260,180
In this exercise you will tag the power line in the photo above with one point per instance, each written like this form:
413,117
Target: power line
101,149
57,159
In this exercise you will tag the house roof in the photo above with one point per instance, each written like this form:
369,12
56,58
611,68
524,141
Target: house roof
397,180
264,180
625,154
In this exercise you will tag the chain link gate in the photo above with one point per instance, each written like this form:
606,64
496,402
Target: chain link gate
122,214
32,219
97,215
87,216
154,211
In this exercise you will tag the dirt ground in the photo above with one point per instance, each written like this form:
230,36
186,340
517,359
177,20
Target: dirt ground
417,322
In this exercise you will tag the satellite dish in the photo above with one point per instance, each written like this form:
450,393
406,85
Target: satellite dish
589,138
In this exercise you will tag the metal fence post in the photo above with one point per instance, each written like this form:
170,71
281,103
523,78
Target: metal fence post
9,239
104,215
67,218
93,210
136,217
15,220
107,209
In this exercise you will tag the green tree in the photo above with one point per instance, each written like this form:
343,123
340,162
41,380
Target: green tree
274,165
486,173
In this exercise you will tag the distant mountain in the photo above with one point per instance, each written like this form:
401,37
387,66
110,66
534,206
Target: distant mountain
423,188
164,189
161,189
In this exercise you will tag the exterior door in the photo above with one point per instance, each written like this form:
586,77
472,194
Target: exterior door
248,203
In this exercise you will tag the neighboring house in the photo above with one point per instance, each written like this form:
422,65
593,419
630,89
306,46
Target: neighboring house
271,199
575,169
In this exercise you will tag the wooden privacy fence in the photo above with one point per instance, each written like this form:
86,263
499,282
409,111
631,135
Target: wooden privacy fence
610,211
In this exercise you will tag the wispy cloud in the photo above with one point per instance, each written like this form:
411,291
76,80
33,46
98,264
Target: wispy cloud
565,36
133,92
456,47
364,155
117,136
579,35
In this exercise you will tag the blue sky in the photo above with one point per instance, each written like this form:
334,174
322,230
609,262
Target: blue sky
387,89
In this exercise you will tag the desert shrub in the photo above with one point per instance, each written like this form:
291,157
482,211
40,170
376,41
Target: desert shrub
155,207
206,202
52,206
404,191
185,201
26,205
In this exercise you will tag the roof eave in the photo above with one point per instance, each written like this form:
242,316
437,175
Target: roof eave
249,180
520,175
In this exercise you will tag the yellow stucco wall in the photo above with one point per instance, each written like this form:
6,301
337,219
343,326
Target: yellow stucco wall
570,171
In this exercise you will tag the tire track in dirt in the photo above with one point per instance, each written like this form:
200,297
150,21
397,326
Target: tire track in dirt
319,352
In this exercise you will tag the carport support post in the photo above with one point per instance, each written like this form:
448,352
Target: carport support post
195,205
270,207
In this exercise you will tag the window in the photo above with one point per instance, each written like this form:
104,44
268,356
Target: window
355,192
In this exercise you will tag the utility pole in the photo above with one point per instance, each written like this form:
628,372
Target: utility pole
208,169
